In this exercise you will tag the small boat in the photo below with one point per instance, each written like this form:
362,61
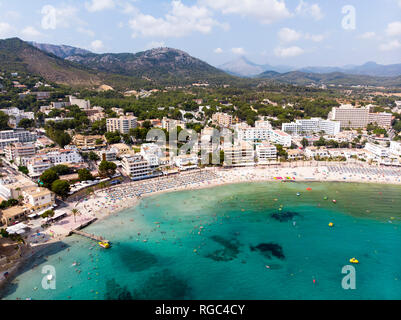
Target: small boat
331,224
334,201
298,194
104,245
354,261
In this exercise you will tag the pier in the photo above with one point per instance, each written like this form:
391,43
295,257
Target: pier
79,231
90,236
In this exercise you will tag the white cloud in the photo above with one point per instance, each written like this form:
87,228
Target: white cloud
315,37
31,32
391,45
394,29
288,52
218,50
289,35
367,35
180,21
239,51
99,5
307,9
155,44
5,29
265,11
286,35
96,45
88,32
62,17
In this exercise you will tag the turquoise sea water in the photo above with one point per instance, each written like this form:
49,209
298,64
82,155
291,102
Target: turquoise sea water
243,231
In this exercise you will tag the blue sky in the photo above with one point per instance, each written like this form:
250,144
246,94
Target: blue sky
279,32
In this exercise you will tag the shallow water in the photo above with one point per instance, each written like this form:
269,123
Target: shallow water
246,227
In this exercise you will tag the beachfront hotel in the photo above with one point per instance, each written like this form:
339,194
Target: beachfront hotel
239,155
377,150
352,117
265,153
136,167
313,125
395,148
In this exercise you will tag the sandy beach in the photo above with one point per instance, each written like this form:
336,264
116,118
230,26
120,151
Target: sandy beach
113,200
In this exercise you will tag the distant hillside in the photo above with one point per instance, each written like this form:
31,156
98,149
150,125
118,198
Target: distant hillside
337,78
162,64
368,69
61,51
17,55
245,68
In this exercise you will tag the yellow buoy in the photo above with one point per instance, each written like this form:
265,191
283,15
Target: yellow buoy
331,224
354,261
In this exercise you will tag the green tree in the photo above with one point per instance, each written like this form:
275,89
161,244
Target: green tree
4,121
61,169
113,137
26,123
85,175
305,142
48,177
107,169
61,188
75,212
23,169
93,156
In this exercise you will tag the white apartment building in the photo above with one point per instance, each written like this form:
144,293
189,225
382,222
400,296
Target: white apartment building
13,136
38,165
382,119
16,152
170,124
64,157
222,119
314,125
57,119
253,133
350,117
377,150
81,103
265,153
186,161
152,153
315,152
395,148
280,137
16,115
108,155
38,198
242,154
136,167
122,124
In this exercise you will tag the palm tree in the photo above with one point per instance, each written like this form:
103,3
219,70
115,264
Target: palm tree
20,199
75,212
